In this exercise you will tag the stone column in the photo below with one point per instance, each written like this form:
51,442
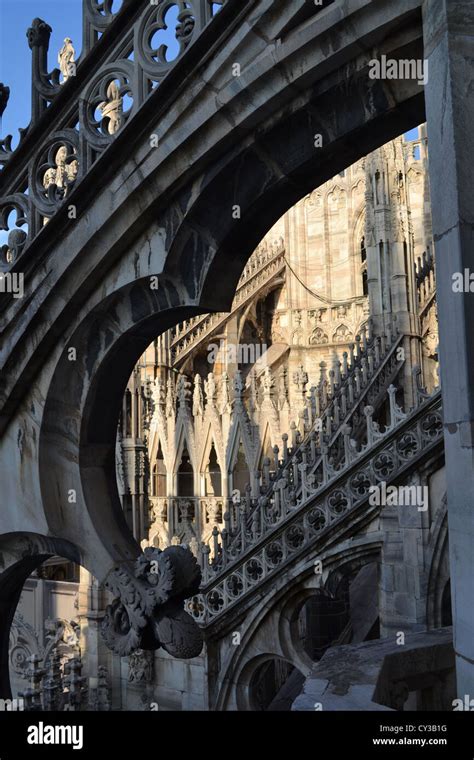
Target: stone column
403,576
449,49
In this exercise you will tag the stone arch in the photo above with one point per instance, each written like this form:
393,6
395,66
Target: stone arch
20,554
342,334
256,668
265,171
269,626
78,432
270,174
348,562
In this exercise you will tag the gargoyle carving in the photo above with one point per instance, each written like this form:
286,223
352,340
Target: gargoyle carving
148,612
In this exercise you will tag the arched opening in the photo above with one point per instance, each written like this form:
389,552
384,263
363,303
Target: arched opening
213,475
23,554
240,471
56,660
324,622
446,606
128,414
363,268
185,475
346,611
274,686
267,456
159,475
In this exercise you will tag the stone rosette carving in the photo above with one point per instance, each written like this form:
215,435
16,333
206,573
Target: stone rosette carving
148,611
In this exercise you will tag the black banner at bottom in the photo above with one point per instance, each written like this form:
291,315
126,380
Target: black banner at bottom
124,734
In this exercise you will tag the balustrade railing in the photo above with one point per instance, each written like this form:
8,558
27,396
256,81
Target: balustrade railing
331,406
304,509
188,517
263,265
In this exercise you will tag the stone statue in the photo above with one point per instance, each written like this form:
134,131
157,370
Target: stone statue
63,174
267,382
140,666
112,108
66,60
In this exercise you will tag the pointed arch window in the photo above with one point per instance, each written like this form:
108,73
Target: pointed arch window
363,267
241,472
159,475
185,475
128,414
213,475
267,453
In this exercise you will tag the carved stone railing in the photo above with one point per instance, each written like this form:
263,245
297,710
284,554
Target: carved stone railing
188,517
339,399
262,267
286,526
75,119
330,408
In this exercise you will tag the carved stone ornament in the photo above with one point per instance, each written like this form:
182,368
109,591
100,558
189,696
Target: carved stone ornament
112,108
4,96
12,250
154,33
38,34
148,611
107,103
140,666
54,171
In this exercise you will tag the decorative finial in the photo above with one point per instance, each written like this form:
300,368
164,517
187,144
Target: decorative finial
4,96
